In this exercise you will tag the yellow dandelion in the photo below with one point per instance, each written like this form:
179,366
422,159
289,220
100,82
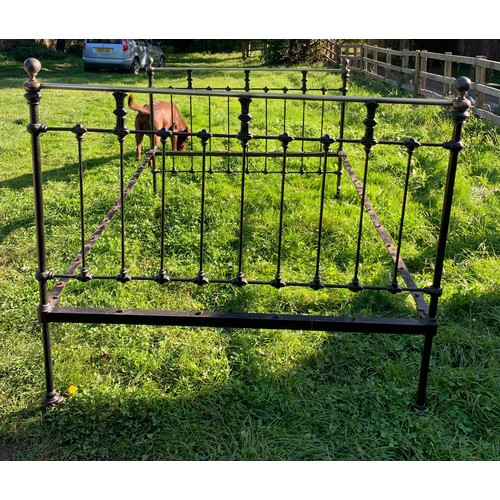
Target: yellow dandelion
72,389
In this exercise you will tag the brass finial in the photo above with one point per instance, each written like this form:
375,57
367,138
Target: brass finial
461,104
32,66
462,85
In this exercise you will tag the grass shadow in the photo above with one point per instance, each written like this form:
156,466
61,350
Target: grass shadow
260,411
65,173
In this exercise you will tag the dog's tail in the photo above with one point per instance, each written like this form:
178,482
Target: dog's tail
137,107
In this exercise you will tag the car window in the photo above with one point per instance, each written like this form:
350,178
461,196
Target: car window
111,42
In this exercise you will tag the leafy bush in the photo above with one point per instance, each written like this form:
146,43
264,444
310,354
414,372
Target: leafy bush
75,48
200,45
5,59
33,49
278,52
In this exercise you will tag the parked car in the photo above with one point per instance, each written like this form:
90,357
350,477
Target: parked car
125,54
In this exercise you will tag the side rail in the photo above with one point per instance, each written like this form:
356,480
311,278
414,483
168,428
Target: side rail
248,139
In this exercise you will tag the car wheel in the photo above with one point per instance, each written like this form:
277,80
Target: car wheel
136,66
161,64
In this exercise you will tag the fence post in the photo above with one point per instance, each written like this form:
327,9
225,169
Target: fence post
447,72
375,59
404,65
416,74
336,52
480,76
388,60
362,59
423,69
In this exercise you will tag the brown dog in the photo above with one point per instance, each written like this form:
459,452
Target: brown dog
166,115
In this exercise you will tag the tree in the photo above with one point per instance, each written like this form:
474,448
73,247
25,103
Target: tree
286,52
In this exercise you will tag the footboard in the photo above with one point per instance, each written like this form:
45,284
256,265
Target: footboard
252,225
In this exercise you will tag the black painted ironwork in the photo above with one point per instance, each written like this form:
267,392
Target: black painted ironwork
400,279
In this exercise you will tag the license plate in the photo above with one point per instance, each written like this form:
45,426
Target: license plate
104,50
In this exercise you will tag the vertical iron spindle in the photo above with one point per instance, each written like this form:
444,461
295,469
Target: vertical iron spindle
247,80
190,79
229,169
211,170
150,73
121,131
411,145
304,91
344,89
266,90
368,141
204,136
326,141
162,276
323,90
190,86
84,274
244,136
278,281
191,127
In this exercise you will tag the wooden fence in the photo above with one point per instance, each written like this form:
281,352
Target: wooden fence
425,73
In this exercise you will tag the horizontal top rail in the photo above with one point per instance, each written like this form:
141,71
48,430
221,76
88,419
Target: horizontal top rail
251,95
246,68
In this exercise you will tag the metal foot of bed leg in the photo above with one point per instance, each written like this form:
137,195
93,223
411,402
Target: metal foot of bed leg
420,409
52,398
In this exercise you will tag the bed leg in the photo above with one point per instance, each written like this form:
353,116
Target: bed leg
424,373
33,96
52,397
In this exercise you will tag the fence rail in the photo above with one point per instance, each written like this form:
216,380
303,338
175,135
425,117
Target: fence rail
426,73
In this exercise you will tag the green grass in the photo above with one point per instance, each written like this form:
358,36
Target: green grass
176,393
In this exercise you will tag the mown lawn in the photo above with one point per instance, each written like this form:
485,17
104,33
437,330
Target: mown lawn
145,393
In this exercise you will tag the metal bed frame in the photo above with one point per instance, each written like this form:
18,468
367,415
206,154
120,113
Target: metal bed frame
328,150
